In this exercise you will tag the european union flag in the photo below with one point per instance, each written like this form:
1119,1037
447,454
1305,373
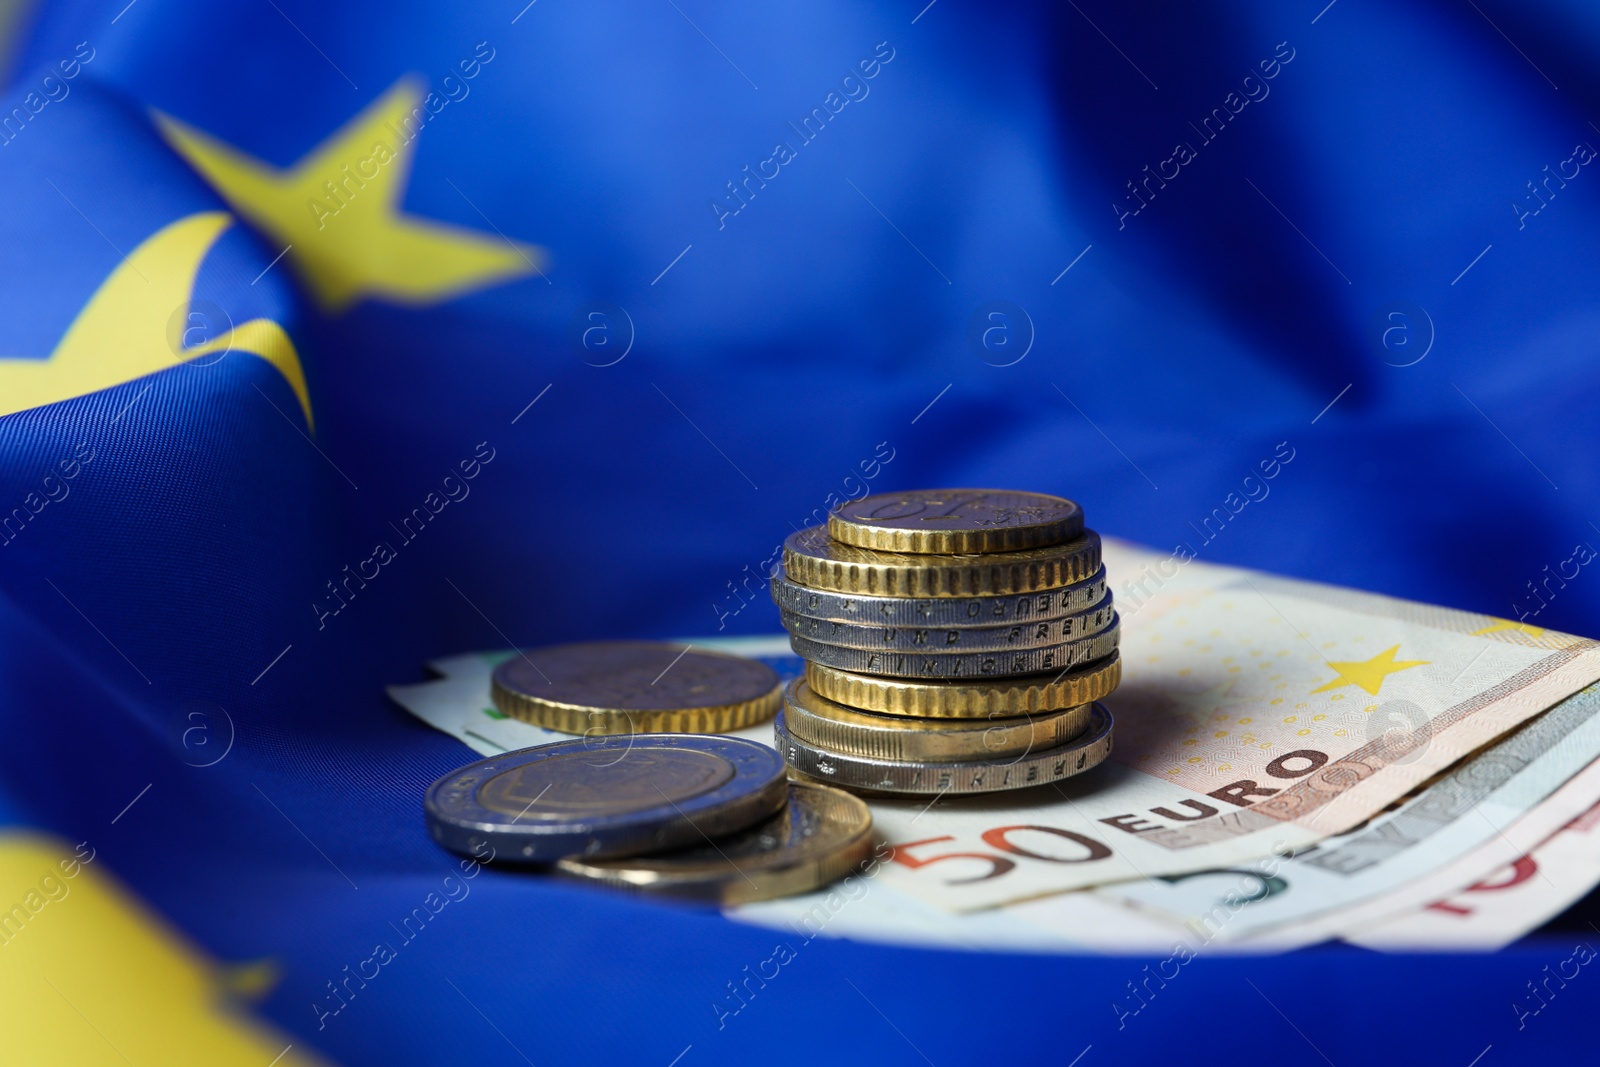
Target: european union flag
340,339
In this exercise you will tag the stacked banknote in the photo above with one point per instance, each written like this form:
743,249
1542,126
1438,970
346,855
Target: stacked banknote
956,641
1295,763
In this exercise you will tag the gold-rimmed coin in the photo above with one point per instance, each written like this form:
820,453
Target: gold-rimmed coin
964,700
645,687
830,725
818,838
907,777
814,559
953,521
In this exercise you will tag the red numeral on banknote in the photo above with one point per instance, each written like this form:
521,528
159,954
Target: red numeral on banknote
1000,838
997,838
998,865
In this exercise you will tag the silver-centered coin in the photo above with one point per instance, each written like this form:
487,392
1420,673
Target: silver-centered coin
611,796
977,776
937,611
1041,633
1001,664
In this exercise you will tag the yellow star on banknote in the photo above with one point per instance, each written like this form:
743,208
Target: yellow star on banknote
338,211
1503,625
1369,673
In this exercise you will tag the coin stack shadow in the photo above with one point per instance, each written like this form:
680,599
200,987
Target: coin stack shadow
931,673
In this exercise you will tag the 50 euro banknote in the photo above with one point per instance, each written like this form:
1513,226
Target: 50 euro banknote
1256,716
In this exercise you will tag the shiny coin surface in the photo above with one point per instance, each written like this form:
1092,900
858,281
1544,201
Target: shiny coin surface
1041,633
814,559
954,521
965,700
826,724
937,611
612,796
976,776
818,838
953,665
620,687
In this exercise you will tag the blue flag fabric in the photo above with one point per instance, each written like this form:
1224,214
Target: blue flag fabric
340,339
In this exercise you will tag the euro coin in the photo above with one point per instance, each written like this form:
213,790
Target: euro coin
966,700
829,725
949,777
937,611
608,796
814,559
820,836
953,521
620,687
952,665
1041,633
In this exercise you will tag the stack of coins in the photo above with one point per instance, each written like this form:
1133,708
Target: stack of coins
956,641
686,815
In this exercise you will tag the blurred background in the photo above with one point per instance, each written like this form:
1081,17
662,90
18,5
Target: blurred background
1163,324
672,278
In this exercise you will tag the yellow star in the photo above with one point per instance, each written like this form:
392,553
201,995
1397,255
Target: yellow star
1369,673
1501,625
338,210
127,329
95,951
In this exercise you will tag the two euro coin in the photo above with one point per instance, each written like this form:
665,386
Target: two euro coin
707,818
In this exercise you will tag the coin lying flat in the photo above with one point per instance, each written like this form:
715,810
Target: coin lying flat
826,724
818,838
937,611
1041,633
612,796
966,776
963,700
619,687
956,521
999,664
814,559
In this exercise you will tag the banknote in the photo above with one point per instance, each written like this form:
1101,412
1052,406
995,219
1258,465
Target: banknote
1521,837
1506,904
1474,805
1257,715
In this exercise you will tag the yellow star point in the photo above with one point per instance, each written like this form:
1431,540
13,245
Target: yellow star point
1503,625
95,951
338,210
1369,673
125,330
